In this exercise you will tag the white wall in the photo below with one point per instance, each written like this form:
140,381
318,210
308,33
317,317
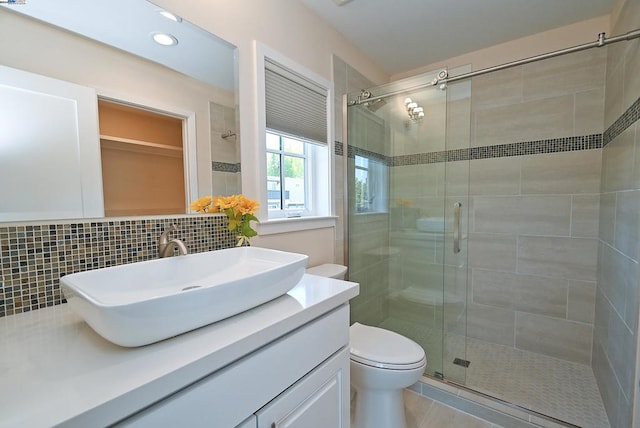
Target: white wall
292,30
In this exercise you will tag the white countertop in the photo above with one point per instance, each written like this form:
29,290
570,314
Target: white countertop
54,369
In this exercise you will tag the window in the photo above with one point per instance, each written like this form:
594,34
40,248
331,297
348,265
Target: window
371,171
286,173
296,148
370,185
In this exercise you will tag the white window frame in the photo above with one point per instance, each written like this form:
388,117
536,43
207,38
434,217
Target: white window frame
377,185
321,215
307,157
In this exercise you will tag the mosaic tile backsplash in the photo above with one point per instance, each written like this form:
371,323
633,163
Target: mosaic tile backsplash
34,257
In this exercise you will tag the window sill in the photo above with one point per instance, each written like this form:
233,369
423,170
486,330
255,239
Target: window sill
270,227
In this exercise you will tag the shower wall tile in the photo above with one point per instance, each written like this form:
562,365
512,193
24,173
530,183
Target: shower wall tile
585,210
458,116
338,119
491,324
457,178
339,77
616,314
613,101
602,313
429,134
567,74
528,121
589,112
570,258
547,202
497,89
636,156
535,215
499,214
346,80
492,251
533,294
616,275
627,230
581,301
368,233
356,81
560,338
495,176
223,119
607,217
225,183
618,280
566,172
607,383
618,162
620,345
631,71
415,181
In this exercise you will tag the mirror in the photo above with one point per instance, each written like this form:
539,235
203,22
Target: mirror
107,46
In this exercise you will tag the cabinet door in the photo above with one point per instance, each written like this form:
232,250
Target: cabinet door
49,149
250,422
319,400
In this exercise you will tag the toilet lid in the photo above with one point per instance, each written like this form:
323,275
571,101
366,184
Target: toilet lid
385,349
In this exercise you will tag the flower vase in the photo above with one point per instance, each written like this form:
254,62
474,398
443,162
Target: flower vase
242,241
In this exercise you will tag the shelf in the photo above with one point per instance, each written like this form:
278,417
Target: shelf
127,144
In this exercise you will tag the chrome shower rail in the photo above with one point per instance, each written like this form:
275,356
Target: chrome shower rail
602,41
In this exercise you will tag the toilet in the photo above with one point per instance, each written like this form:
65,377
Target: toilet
382,364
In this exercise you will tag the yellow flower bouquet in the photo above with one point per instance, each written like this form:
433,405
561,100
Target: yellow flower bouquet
239,209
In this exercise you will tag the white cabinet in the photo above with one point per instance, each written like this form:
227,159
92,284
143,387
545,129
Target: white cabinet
319,400
250,422
307,370
49,149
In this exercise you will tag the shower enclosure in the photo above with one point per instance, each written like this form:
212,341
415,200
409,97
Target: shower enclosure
408,204
473,212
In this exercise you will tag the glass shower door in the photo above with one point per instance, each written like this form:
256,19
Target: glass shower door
400,225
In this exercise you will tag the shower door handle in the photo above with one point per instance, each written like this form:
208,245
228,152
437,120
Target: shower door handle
456,227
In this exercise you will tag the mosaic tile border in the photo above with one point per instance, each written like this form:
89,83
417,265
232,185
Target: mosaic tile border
554,145
338,148
353,151
225,167
34,257
627,119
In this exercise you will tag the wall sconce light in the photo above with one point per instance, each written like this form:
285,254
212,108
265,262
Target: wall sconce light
414,111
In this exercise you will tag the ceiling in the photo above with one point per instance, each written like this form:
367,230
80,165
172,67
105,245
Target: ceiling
400,35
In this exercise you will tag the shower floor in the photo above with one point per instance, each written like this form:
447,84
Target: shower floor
561,389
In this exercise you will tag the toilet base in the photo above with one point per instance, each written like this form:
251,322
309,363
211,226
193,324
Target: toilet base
379,409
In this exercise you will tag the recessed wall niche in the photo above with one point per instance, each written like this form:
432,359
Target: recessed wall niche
142,161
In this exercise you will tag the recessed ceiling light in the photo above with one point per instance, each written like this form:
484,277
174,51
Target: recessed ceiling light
170,16
164,39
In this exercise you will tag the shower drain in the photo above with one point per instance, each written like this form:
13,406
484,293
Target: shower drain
461,362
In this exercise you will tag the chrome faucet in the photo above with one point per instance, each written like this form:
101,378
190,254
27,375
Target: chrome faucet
166,247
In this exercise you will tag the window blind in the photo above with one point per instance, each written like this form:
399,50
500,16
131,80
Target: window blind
295,105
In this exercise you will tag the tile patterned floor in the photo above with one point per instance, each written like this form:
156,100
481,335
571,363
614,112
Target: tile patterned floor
422,412
557,388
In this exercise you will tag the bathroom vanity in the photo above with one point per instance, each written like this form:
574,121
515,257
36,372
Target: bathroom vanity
283,363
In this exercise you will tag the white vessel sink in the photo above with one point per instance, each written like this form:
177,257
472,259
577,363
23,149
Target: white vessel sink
141,303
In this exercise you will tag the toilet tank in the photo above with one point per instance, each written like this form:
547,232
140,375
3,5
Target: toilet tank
329,270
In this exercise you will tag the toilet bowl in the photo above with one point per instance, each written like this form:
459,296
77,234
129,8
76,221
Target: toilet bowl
329,270
382,364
